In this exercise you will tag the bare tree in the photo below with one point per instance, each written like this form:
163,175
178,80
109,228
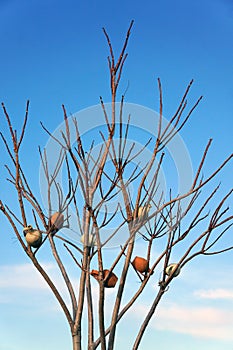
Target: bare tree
93,183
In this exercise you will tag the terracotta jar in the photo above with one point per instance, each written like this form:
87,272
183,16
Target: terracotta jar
140,264
56,221
33,236
95,274
173,269
91,240
111,280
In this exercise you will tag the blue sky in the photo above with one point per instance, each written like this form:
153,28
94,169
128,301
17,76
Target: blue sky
54,52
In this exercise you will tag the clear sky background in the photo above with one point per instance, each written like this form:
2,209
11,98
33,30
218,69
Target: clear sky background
54,52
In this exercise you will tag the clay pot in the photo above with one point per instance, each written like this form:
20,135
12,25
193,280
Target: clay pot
140,264
111,280
91,240
173,269
33,237
56,221
95,274
144,211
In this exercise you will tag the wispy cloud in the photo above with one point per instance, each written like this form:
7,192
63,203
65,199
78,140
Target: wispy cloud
22,276
218,293
199,321
22,284
189,318
205,322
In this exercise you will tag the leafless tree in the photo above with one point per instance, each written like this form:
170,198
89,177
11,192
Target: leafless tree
92,185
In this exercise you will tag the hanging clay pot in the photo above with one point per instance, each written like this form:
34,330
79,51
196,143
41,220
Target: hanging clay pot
56,221
91,240
33,236
140,264
95,274
173,269
143,211
110,281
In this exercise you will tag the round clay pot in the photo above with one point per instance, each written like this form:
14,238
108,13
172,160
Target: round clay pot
173,269
140,264
111,280
91,240
56,221
95,274
33,236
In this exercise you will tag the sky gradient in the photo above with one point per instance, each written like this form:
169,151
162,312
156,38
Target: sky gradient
54,53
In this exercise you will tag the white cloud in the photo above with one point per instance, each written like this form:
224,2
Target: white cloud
218,293
22,284
189,318
202,322
22,276
199,321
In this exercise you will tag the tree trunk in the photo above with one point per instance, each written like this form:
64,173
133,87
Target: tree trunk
76,342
